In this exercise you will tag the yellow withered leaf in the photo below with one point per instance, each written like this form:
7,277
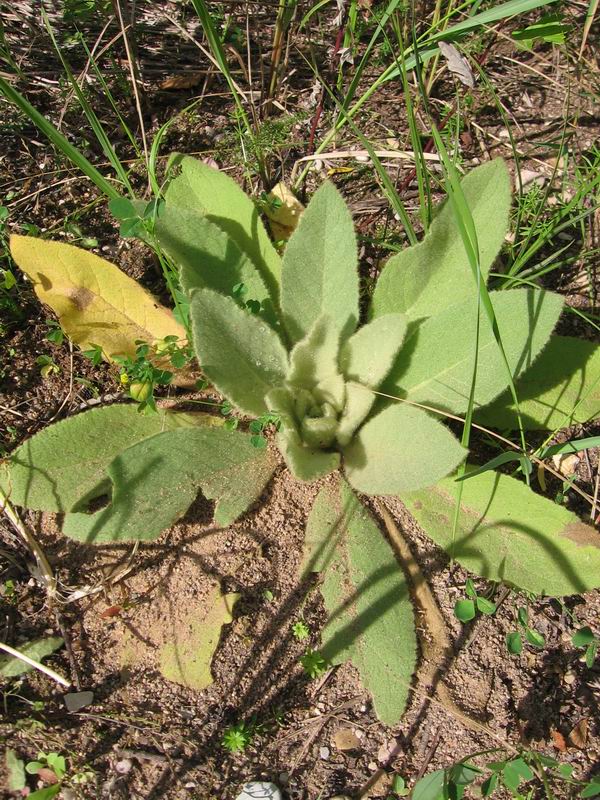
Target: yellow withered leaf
283,212
186,658
96,303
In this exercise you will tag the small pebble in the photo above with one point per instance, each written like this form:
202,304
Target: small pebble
123,766
324,753
372,766
75,701
284,778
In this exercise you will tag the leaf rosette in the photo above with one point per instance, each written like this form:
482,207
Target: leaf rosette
279,337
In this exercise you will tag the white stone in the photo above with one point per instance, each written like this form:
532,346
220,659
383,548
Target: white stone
259,790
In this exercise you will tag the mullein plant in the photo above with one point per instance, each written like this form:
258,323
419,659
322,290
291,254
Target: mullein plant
280,337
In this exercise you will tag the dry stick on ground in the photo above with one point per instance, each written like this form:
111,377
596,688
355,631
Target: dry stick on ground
319,723
332,64
437,648
26,534
84,72
134,73
595,500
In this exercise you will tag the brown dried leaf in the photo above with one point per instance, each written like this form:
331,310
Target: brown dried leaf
457,64
187,81
579,735
558,740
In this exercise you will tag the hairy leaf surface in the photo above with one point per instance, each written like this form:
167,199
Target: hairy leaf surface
213,193
65,462
155,481
508,533
315,357
435,367
96,303
237,350
207,257
369,354
561,389
186,659
320,267
435,274
370,616
306,463
359,402
400,449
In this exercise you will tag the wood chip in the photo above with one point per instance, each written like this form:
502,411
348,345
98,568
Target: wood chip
181,81
345,739
558,740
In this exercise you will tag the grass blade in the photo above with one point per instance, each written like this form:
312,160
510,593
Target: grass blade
61,143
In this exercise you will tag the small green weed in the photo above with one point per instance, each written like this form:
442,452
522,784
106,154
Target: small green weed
300,630
585,637
514,639
313,663
55,334
47,366
141,375
466,609
237,738
507,774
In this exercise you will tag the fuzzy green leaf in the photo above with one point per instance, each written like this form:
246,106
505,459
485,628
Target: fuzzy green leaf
65,462
425,279
37,649
315,357
369,354
156,480
370,615
207,257
319,271
306,463
359,401
508,533
430,787
561,389
211,192
238,352
15,769
400,449
440,375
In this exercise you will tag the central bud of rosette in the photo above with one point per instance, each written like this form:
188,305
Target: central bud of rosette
320,403
313,413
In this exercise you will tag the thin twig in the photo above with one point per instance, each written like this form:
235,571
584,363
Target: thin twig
134,80
32,544
595,499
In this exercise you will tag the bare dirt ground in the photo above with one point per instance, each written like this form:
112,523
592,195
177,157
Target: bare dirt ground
146,737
